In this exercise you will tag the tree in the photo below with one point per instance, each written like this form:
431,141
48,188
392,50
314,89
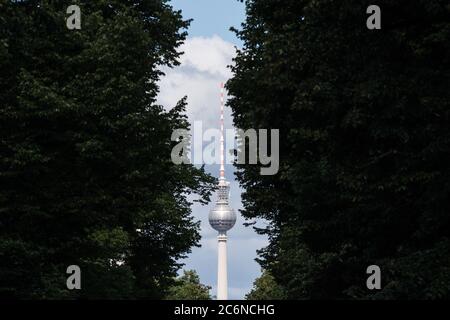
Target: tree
265,288
85,170
364,137
188,287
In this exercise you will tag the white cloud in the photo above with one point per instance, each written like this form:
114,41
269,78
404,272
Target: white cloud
210,55
203,67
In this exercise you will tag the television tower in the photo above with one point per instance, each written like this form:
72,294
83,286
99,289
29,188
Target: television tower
222,218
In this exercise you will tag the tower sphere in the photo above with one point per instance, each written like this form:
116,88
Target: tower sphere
222,218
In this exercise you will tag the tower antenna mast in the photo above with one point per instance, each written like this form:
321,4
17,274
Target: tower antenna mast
222,158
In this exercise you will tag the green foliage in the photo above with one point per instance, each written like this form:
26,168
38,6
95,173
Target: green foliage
188,287
364,144
85,170
265,288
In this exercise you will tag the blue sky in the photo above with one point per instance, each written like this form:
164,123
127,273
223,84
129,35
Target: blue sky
212,17
208,51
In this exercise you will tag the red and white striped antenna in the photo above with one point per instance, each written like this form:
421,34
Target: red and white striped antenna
222,167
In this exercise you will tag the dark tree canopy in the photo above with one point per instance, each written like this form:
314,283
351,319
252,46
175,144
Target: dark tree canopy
188,287
86,176
265,288
364,144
